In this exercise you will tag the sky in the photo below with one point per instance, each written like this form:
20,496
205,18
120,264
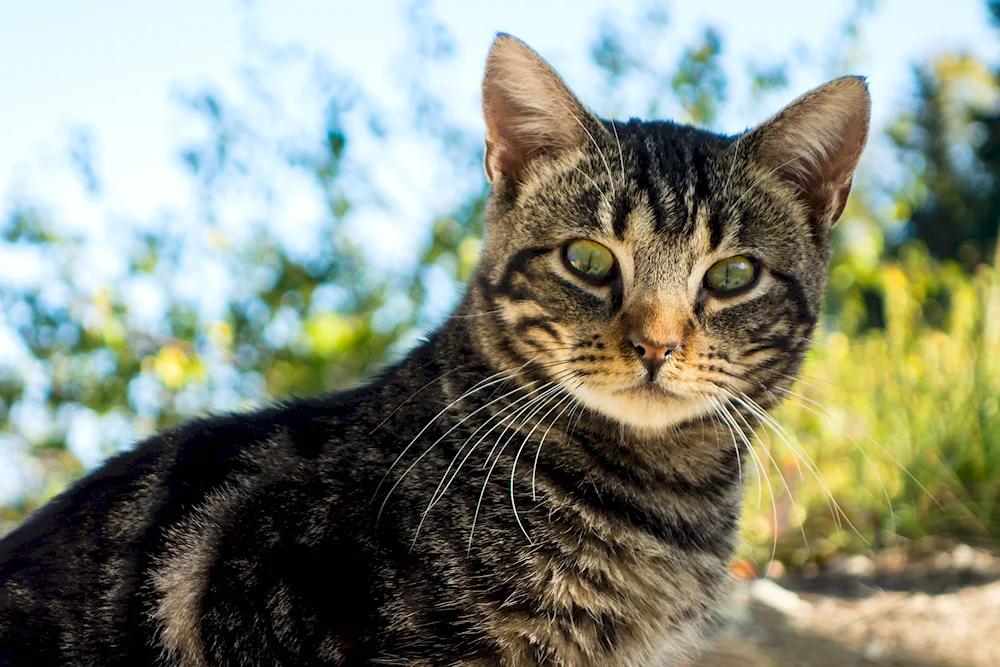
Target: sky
114,66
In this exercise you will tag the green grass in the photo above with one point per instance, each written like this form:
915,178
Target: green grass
902,424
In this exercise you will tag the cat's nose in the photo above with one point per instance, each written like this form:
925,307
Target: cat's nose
652,353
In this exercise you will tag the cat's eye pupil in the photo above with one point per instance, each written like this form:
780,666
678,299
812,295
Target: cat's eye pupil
730,274
590,259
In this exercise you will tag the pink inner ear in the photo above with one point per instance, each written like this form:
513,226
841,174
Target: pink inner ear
529,111
517,134
815,143
507,151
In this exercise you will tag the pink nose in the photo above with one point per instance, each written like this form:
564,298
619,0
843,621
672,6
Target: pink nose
653,354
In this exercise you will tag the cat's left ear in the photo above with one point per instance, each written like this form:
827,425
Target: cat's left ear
815,143
530,112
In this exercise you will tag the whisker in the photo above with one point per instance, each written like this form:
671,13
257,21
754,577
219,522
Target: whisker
538,408
825,413
440,492
621,155
733,429
715,423
425,452
592,181
732,165
479,386
607,166
871,464
759,467
517,456
838,513
407,399
534,467
791,497
546,393
489,473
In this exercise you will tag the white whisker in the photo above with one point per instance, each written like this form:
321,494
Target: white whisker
439,491
868,437
534,467
732,165
791,496
733,429
621,155
426,451
517,456
523,411
607,165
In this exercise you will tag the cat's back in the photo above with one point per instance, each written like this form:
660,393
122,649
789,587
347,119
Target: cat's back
132,544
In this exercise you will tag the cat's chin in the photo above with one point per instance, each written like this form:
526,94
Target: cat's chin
644,408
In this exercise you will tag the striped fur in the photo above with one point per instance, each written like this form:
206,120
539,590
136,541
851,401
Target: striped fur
521,489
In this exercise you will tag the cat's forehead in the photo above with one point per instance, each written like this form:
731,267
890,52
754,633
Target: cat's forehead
668,185
667,138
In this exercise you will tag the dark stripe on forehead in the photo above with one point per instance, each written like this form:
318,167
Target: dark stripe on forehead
688,185
702,189
715,228
643,181
581,210
584,211
619,218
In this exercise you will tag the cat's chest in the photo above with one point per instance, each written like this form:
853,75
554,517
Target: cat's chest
611,600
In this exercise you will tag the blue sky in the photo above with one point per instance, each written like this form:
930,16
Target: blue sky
112,65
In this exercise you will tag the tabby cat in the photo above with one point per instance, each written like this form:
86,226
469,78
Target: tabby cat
554,477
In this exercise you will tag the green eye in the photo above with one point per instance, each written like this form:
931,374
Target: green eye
731,274
589,260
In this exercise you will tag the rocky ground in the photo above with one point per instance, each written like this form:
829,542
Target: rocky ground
924,607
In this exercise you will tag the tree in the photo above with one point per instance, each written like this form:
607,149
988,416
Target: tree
951,144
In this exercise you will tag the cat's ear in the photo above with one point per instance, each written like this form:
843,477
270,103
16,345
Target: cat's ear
528,109
815,143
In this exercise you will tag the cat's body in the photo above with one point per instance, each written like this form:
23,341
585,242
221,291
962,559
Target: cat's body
252,540
553,478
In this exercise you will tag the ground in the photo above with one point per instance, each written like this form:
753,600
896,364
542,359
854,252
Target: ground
900,608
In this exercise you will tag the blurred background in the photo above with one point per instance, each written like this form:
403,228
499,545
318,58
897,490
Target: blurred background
207,204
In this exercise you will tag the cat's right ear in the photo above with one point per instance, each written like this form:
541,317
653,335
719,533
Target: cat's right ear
529,111
815,143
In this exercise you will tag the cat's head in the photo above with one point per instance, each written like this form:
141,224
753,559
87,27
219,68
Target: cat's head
653,269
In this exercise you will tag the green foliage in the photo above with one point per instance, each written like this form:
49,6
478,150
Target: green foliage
902,423
700,83
951,142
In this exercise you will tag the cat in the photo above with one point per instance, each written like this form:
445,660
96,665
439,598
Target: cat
554,477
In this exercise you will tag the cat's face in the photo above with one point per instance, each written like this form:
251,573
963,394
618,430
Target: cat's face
654,269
